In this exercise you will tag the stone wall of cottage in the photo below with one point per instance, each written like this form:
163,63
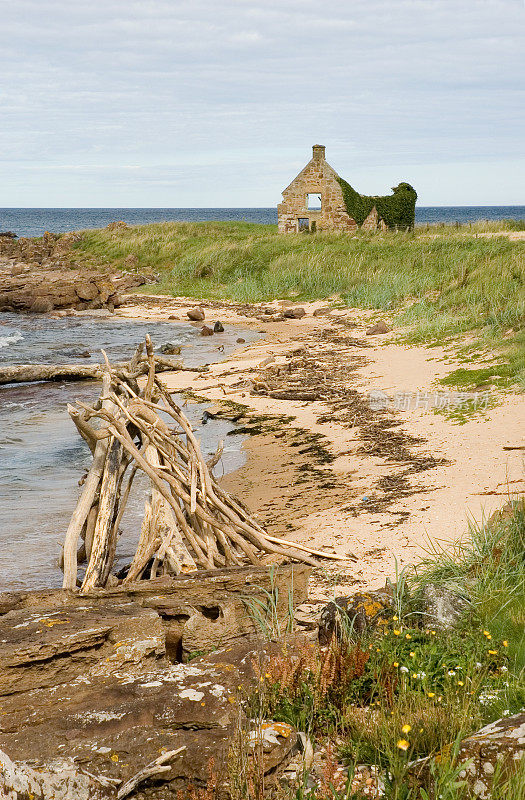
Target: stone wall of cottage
318,177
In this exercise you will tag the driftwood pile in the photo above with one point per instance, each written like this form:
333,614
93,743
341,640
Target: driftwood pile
189,521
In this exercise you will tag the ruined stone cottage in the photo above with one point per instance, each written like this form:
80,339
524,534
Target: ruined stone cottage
318,199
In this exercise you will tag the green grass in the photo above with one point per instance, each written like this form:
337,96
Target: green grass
440,284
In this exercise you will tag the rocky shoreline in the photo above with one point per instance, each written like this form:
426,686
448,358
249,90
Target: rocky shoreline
42,275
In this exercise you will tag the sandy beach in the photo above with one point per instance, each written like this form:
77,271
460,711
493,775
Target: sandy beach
375,487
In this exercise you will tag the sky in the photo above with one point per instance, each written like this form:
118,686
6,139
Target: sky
216,103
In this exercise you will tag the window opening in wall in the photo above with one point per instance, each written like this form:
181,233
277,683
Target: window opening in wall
303,225
313,202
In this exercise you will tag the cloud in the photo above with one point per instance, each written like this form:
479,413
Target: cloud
238,90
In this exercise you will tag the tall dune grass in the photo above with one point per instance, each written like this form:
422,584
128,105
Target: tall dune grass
439,282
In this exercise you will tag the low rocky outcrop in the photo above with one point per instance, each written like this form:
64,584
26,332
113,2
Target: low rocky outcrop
46,646
443,607
355,613
198,612
96,704
39,275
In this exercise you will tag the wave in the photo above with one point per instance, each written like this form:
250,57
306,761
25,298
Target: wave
11,338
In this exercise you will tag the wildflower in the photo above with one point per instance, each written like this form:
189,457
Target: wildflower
395,617
403,744
432,633
493,652
431,694
487,634
440,698
396,664
451,673
504,669
403,669
378,650
412,655
505,643
408,636
406,728
415,674
396,633
460,683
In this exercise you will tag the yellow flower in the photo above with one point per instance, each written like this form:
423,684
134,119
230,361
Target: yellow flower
406,728
403,744
412,655
493,652
408,636
460,683
431,694
396,664
394,618
396,633
432,633
505,643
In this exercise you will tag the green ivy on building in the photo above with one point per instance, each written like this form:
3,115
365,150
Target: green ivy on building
398,210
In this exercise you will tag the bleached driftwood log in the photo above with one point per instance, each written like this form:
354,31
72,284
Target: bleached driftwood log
190,522
23,373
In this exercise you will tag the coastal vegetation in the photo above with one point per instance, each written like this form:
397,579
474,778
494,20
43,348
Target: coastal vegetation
459,285
408,688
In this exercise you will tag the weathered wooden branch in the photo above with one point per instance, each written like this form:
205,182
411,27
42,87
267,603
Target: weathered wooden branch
152,770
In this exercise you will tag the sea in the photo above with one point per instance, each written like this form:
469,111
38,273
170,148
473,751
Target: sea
34,221
42,457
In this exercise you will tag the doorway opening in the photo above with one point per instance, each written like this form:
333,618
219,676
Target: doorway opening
303,225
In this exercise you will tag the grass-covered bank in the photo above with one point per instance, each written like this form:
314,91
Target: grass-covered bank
407,688
440,282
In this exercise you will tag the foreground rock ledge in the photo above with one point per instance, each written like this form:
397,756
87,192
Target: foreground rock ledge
91,695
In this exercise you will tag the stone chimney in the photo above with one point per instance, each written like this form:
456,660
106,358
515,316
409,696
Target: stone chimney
318,152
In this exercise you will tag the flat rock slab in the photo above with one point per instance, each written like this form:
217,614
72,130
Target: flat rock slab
115,725
199,612
50,646
108,728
